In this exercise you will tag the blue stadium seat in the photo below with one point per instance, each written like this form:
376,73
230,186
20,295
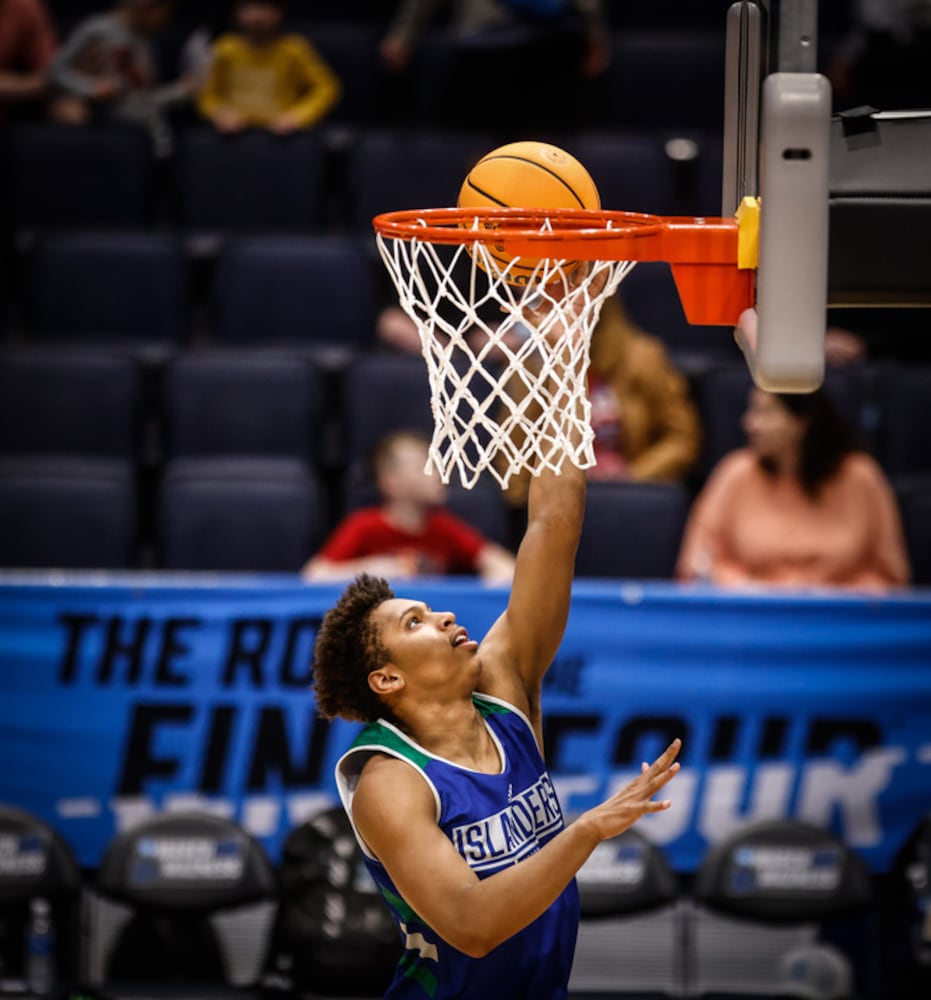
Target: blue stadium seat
904,401
242,403
398,170
243,514
295,290
383,393
709,15
632,172
69,402
108,287
914,496
59,177
252,182
632,530
667,80
67,512
351,51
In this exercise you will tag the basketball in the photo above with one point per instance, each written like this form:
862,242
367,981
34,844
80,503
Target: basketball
527,175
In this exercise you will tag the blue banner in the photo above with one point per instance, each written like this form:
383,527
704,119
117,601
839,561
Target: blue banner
120,696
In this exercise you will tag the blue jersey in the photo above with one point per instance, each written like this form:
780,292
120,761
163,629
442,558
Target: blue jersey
494,821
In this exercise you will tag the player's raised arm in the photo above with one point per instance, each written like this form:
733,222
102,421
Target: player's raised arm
523,642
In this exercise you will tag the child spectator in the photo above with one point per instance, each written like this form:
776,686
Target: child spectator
409,533
261,77
798,507
107,67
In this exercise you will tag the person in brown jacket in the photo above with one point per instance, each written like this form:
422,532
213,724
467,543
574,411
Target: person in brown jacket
646,426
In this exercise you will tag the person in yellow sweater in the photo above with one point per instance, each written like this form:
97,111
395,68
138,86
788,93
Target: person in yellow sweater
261,77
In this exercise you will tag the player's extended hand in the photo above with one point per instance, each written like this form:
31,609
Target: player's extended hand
557,307
635,799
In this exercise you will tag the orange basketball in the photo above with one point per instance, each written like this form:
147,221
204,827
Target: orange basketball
527,175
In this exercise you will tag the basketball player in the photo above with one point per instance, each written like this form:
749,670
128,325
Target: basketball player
447,787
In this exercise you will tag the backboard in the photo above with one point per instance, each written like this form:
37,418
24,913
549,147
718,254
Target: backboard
845,194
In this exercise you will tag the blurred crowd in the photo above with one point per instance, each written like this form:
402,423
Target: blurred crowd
802,503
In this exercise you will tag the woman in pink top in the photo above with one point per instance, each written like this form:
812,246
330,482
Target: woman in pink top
798,507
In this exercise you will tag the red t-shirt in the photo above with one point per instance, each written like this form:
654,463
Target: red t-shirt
446,545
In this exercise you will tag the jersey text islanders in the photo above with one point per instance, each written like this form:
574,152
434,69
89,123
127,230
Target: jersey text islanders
494,821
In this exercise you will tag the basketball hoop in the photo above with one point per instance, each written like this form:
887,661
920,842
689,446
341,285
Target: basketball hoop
484,324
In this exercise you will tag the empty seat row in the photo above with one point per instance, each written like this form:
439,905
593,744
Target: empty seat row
268,515
257,181
278,402
127,288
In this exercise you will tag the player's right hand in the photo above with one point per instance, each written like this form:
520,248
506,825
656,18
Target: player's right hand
635,799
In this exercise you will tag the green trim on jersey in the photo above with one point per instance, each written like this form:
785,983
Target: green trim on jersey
487,708
376,735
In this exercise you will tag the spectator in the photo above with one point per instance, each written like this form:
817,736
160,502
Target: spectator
531,53
261,77
646,427
107,67
409,533
883,61
27,47
798,507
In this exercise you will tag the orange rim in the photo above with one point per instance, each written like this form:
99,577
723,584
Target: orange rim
701,251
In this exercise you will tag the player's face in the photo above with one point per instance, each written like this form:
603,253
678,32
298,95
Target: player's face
773,431
423,643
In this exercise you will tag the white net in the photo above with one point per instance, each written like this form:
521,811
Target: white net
507,362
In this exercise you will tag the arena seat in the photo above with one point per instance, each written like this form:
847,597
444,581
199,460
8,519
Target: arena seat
383,393
632,172
78,402
914,496
631,932
766,891
672,80
182,906
242,403
397,170
238,514
251,182
67,512
95,287
904,404
301,291
38,864
631,530
108,182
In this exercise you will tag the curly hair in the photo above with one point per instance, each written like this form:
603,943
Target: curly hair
347,650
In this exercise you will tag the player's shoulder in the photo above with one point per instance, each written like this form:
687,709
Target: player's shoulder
388,780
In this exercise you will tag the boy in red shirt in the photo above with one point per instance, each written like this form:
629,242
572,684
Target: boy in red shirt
409,533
